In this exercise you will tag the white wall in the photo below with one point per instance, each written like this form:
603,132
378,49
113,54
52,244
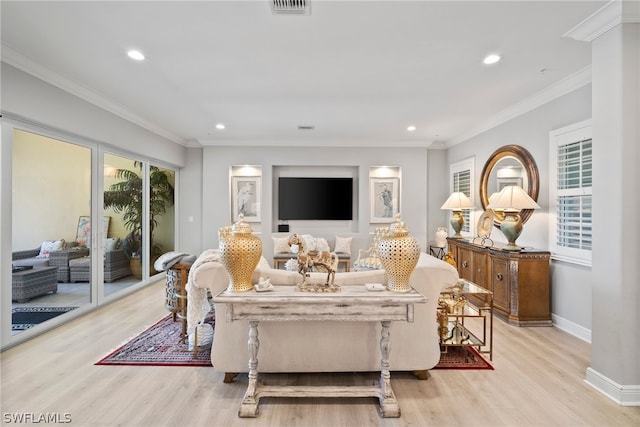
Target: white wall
190,201
438,176
570,284
26,96
217,162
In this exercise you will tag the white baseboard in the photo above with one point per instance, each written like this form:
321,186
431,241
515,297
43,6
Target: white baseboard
623,395
571,328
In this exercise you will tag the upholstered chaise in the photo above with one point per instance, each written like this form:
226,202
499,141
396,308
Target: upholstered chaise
330,346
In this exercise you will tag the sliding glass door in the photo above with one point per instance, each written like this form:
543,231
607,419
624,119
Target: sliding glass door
51,229
86,226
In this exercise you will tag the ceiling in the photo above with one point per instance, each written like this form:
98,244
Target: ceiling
359,72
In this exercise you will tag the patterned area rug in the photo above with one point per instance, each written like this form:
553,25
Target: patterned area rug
23,318
159,345
462,358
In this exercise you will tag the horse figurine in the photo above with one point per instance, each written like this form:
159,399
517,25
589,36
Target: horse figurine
318,260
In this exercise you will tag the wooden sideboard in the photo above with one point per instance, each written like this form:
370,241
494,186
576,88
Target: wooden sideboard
519,280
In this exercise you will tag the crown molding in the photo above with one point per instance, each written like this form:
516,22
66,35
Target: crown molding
607,17
315,142
15,59
556,90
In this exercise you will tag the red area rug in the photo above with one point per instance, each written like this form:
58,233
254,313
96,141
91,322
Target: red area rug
462,358
159,345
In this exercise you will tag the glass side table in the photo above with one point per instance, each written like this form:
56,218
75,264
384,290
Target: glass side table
465,317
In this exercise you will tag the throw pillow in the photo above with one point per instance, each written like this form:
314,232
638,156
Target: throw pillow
48,246
322,245
343,245
280,245
111,244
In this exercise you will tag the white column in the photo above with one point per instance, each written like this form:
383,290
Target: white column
614,34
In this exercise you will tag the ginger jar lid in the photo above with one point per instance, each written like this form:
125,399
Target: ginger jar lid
241,227
398,228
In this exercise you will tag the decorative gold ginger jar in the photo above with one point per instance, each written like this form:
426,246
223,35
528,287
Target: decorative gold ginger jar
399,255
240,253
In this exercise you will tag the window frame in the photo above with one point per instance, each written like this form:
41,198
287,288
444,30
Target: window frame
571,134
466,165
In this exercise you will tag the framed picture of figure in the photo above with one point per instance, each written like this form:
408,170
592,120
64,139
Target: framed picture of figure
384,199
245,198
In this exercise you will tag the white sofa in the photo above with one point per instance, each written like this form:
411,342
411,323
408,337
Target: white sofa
316,346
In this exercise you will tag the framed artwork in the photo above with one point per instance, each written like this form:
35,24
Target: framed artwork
384,199
245,198
83,233
504,182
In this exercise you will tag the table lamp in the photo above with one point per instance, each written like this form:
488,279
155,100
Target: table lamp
512,199
455,203
497,213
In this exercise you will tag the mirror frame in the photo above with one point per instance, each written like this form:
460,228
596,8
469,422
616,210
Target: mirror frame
529,164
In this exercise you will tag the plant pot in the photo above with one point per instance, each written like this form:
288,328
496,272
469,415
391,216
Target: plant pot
136,267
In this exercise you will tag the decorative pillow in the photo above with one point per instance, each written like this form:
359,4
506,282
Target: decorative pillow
111,244
48,246
263,264
281,244
343,244
308,241
314,243
322,244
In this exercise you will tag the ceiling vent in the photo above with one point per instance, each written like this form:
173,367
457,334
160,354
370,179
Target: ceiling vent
290,7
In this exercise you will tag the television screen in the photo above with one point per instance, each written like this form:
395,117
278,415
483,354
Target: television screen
315,198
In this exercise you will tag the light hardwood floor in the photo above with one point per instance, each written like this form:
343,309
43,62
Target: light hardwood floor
538,381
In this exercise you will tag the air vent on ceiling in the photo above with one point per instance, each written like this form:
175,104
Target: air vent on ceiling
298,7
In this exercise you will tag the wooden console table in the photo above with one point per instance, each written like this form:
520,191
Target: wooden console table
353,303
519,280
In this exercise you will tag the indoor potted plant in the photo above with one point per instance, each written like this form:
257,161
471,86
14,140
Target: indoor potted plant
126,197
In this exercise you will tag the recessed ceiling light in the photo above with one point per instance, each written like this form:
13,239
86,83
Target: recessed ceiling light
411,128
220,126
491,59
135,54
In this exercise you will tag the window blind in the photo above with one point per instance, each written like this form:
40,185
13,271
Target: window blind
462,183
573,195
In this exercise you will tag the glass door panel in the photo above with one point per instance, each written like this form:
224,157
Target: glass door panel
161,212
51,229
123,203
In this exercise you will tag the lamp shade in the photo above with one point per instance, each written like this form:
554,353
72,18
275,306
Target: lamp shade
492,199
512,198
457,201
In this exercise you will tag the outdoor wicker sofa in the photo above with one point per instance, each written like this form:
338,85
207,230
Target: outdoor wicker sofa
58,259
116,266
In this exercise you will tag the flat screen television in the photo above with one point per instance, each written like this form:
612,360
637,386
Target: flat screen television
315,198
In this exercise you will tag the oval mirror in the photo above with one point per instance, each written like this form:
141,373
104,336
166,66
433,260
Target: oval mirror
509,165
